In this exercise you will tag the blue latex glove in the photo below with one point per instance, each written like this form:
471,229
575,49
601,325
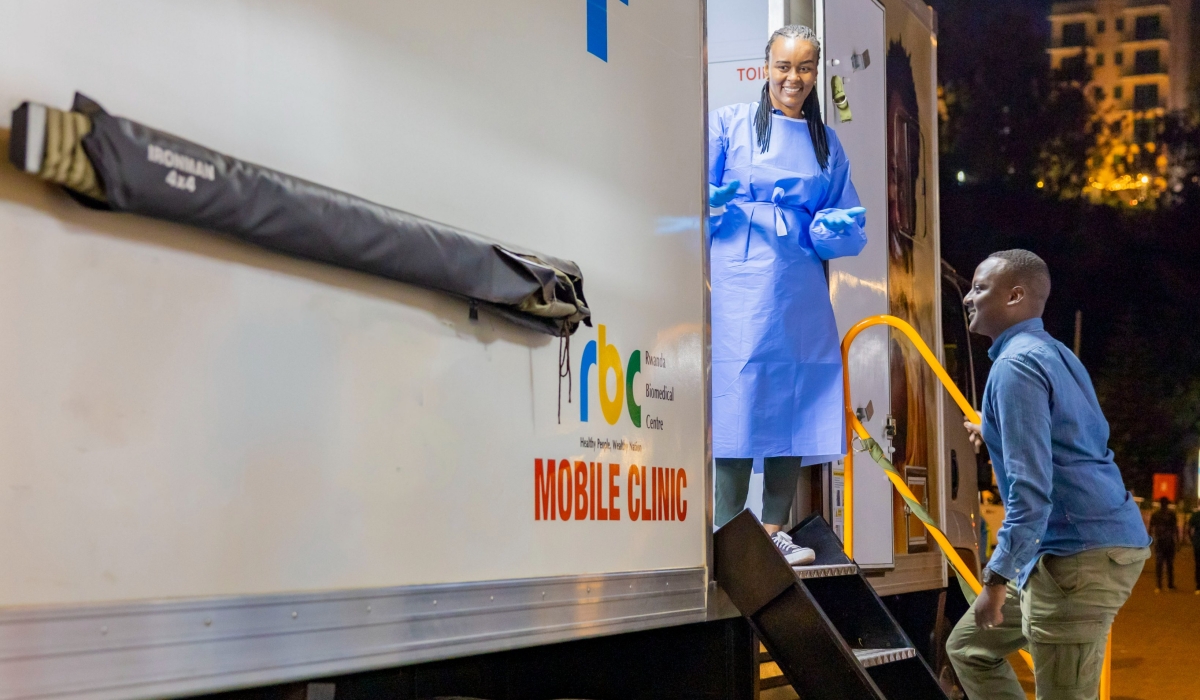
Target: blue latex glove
720,196
837,233
838,220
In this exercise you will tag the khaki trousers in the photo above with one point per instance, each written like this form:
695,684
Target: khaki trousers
1062,616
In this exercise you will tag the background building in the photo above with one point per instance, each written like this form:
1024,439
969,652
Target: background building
1143,63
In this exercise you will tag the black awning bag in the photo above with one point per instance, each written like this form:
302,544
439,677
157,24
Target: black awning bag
118,164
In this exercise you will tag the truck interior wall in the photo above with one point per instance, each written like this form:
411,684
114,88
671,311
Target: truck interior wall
802,12
737,32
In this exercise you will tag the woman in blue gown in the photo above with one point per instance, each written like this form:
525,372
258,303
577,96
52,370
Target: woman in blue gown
783,203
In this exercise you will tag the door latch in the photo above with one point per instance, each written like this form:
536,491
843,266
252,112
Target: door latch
889,427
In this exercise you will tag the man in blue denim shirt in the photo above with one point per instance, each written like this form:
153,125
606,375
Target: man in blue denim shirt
1072,544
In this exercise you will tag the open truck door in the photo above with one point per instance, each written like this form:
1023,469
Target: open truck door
882,57
878,87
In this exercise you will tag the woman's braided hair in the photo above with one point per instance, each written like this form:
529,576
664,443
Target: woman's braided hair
811,109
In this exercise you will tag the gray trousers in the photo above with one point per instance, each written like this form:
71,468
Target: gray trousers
1062,615
780,475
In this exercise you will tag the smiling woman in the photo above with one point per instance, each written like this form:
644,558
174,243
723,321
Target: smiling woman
783,204
793,55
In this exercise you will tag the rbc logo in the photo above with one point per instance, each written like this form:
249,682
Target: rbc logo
597,28
606,358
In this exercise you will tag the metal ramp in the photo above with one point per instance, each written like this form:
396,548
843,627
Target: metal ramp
823,625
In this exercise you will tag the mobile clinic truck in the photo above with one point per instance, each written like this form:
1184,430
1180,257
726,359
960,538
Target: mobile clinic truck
278,469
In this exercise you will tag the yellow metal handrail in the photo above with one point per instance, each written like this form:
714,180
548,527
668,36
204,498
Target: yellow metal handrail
854,426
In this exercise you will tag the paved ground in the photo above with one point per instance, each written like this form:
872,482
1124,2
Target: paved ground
1156,642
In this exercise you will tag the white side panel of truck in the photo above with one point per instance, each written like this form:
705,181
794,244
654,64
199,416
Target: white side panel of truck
221,467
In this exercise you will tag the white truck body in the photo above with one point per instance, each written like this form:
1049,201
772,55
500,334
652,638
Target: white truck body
220,466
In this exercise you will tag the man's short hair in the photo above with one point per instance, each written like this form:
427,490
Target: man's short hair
1027,270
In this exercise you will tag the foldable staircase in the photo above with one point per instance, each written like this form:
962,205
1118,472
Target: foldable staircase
823,624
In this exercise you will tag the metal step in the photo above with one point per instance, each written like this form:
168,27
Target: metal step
829,634
825,570
866,657
781,692
878,657
771,676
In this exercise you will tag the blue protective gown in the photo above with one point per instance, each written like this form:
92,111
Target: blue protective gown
777,369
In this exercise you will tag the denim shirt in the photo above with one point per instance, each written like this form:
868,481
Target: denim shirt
1048,441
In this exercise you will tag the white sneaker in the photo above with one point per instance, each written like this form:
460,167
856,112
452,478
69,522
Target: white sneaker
794,553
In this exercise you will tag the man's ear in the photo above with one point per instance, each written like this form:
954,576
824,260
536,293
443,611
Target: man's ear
1016,295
